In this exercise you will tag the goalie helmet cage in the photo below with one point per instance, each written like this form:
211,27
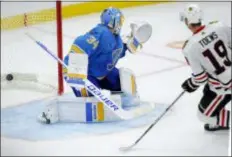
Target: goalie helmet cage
27,78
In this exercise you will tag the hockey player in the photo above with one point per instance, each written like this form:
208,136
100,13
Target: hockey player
103,47
94,56
208,52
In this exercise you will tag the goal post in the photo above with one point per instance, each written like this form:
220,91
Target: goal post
59,45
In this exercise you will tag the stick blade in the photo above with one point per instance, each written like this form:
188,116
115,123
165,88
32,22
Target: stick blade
128,148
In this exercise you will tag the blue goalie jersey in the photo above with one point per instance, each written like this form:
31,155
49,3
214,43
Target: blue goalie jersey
103,48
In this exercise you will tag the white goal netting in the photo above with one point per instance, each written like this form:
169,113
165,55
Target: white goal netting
24,65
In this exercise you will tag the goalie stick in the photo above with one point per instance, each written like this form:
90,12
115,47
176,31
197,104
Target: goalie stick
95,91
151,126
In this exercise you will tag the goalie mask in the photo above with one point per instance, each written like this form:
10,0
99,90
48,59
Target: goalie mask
112,18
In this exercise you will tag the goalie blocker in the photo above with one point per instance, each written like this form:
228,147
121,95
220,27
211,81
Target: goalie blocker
90,109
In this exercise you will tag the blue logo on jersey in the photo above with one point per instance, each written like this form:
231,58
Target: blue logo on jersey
115,56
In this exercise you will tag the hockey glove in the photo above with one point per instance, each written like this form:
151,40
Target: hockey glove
189,86
140,33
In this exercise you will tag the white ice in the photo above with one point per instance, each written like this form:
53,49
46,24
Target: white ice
179,132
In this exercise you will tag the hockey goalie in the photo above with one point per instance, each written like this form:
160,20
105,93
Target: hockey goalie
93,56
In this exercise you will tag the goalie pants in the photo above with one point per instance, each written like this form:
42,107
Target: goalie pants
213,105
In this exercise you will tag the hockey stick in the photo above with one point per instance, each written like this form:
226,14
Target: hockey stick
151,126
93,89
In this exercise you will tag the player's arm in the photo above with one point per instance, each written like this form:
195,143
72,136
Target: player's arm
226,30
199,76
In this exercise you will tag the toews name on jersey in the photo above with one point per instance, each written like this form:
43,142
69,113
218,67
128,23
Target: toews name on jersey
208,39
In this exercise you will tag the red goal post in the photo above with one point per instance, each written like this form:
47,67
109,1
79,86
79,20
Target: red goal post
59,45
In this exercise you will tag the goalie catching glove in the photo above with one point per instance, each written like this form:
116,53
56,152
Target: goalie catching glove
140,33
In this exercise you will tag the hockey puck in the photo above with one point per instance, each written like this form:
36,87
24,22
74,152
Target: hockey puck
9,77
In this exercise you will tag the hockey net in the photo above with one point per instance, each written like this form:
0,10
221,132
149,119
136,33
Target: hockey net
24,65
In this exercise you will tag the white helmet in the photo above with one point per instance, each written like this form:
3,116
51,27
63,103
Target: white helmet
192,13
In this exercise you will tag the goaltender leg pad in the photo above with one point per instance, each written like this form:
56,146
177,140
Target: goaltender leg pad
79,109
128,81
13,125
50,113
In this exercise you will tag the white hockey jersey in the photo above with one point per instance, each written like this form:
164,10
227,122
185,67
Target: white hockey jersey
208,52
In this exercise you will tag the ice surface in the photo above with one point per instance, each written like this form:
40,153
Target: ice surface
178,133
